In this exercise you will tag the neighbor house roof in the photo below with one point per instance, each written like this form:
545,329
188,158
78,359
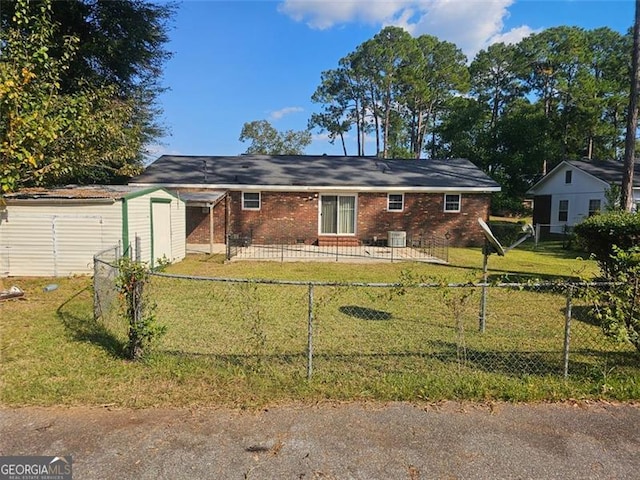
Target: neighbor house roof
298,173
608,171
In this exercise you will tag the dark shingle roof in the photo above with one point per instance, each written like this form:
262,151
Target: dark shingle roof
314,171
607,170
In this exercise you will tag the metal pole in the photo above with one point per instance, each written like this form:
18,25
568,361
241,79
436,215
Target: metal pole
483,299
310,334
567,332
211,229
95,289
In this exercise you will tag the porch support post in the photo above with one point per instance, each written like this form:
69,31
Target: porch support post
210,228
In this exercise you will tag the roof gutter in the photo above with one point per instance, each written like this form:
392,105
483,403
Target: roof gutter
311,188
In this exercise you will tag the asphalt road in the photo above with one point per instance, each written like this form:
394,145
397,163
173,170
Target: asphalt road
336,441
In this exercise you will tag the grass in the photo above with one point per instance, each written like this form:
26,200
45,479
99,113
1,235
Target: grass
244,345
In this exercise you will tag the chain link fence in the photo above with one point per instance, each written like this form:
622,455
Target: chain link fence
377,329
105,272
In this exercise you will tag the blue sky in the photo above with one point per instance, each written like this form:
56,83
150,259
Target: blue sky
238,61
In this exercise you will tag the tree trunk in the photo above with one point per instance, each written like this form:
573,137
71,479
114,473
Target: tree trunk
344,147
632,118
358,126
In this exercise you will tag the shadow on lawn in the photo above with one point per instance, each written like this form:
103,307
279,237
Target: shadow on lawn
78,319
365,313
506,362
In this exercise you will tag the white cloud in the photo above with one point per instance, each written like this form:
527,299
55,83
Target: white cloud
278,114
471,24
513,36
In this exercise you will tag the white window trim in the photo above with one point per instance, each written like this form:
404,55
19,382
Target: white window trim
444,206
389,209
244,207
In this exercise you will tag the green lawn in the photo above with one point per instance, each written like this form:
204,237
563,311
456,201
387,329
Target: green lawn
244,345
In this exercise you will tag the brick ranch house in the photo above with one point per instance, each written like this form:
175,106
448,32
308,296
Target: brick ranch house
324,200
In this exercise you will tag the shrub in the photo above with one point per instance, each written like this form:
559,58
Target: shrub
138,310
600,233
617,307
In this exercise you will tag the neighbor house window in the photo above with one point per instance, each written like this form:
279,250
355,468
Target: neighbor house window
251,200
594,206
563,210
567,176
337,214
452,202
395,202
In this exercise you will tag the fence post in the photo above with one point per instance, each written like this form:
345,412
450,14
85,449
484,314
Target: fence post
96,313
138,243
310,334
483,299
567,331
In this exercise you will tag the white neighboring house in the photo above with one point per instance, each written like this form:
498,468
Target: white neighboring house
56,232
575,190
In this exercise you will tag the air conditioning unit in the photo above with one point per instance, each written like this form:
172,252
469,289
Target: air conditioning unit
397,239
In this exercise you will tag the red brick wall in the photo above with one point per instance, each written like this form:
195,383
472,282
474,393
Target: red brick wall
423,214
283,216
287,216
292,217
197,219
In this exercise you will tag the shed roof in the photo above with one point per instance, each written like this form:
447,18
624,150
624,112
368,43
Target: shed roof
297,171
113,192
80,194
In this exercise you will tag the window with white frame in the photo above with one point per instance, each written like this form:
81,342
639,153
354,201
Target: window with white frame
563,210
395,202
337,214
251,200
594,206
452,202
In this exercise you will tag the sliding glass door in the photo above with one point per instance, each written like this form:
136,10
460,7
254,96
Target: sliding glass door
337,214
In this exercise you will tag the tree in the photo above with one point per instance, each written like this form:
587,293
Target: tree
120,46
632,118
340,109
434,72
266,140
48,137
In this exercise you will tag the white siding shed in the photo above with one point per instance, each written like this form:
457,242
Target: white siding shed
57,232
